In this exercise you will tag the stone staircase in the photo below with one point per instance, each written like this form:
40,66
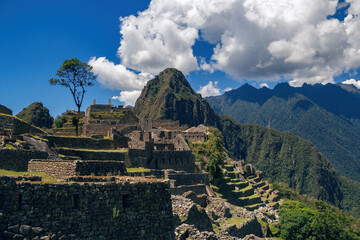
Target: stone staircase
244,186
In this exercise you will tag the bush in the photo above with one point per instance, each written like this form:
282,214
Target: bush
299,221
36,114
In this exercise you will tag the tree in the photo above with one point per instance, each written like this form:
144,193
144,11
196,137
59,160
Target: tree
76,76
36,114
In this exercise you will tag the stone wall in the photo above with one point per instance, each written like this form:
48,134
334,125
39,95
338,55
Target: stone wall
100,119
182,178
80,142
135,209
17,160
169,125
177,160
153,159
55,168
194,136
100,168
95,154
5,110
63,169
17,125
198,189
137,158
66,131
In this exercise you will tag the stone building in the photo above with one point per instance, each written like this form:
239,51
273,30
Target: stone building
100,119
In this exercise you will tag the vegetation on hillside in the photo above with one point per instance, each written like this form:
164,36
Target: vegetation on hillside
283,157
37,115
351,190
303,217
170,96
310,112
211,154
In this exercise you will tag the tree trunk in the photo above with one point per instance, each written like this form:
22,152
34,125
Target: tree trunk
77,122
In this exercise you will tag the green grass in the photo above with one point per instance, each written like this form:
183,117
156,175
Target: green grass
250,197
234,183
274,230
235,220
140,169
243,189
9,146
45,177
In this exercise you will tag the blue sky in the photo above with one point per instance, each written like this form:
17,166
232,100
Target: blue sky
208,42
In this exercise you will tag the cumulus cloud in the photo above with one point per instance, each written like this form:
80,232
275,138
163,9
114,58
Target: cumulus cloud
353,82
295,40
264,85
128,97
118,76
210,89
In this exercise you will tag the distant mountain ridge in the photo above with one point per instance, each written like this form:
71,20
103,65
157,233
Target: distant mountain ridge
280,155
327,115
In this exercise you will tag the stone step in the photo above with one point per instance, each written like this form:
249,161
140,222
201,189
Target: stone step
237,185
243,192
227,179
233,174
259,184
250,200
274,197
229,167
265,187
254,206
255,179
275,205
268,193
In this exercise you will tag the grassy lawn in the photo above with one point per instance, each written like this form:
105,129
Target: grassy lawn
45,177
140,169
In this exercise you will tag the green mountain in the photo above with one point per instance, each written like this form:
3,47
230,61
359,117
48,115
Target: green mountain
282,156
328,116
170,96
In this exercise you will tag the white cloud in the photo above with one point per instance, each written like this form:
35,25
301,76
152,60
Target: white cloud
128,97
264,85
227,89
353,82
118,76
210,89
255,39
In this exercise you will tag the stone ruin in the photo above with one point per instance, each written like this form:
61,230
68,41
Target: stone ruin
118,207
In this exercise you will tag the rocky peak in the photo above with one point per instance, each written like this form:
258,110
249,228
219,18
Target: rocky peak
170,96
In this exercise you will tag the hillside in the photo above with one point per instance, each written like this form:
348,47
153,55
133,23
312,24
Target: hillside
312,112
281,156
170,96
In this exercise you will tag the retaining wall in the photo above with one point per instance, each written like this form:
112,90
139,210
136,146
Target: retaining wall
125,210
62,169
17,160
80,142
